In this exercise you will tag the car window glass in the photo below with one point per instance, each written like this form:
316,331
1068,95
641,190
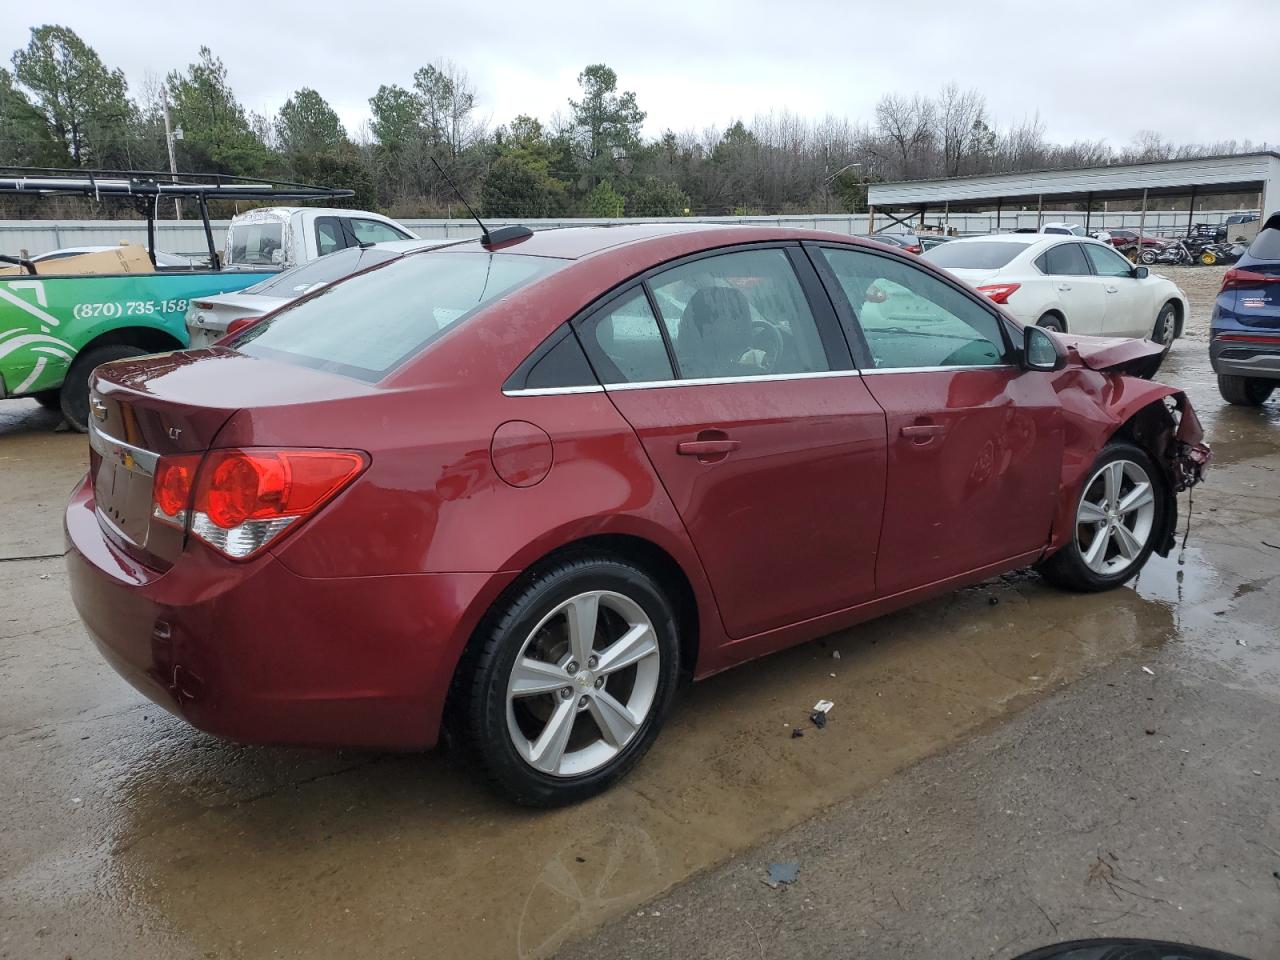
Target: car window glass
1066,259
911,318
625,344
329,235
1266,245
978,255
738,315
374,231
257,243
1106,262
327,269
369,324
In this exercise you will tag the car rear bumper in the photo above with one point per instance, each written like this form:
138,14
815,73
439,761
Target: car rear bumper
255,653
1242,359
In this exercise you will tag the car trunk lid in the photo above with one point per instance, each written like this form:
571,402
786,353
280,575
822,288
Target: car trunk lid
144,409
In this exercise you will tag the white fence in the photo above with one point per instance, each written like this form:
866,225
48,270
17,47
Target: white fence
187,236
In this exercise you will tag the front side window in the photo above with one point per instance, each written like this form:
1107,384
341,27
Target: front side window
369,325
625,344
375,231
1106,262
738,314
329,235
1064,260
910,318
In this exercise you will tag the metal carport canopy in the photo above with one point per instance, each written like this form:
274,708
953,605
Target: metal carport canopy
1237,173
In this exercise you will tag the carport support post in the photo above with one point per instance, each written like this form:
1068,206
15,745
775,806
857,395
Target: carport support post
871,219
999,203
1191,210
1142,222
1088,211
1039,212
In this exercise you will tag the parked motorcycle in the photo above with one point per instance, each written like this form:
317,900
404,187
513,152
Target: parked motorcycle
1215,253
1174,252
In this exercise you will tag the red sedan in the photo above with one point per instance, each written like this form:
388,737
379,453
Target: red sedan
527,487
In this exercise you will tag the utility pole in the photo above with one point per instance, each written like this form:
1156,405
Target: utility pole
168,141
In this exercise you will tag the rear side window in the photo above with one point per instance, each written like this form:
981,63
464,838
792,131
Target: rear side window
1066,259
624,342
371,324
981,255
738,314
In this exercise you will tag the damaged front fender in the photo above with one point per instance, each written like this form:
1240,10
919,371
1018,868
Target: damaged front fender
1133,356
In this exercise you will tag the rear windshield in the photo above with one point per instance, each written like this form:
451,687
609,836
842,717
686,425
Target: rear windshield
329,269
1266,245
985,255
371,324
258,244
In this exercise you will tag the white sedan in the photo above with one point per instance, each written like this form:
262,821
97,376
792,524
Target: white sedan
1067,283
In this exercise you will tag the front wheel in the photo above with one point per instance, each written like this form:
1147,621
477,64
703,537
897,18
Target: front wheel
74,395
1147,257
1208,258
1166,325
1245,391
1117,518
575,675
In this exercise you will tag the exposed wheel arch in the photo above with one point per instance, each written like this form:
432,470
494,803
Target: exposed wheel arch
1053,315
146,338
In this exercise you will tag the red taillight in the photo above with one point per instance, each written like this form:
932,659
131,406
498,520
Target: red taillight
914,248
239,323
171,490
999,292
245,498
1238,277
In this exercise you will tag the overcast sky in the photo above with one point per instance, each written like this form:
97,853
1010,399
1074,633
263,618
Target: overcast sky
1192,71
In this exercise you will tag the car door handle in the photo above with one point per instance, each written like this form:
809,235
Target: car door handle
1064,286
923,432
706,448
1113,289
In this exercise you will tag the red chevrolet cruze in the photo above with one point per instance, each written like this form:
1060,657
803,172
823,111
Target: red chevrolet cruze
525,486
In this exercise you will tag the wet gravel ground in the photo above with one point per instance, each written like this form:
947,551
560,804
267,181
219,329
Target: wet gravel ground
980,762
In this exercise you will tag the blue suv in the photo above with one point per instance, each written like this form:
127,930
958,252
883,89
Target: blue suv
1244,348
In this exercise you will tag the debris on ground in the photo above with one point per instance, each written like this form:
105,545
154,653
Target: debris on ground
1240,642
835,654
819,719
1148,670
797,732
824,706
782,874
1149,732
992,601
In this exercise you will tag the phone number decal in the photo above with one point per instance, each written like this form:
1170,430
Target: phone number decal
127,308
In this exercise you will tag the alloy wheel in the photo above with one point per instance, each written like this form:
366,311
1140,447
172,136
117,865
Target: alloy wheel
583,684
1115,518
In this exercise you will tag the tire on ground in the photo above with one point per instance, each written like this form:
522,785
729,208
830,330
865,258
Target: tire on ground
73,398
1245,391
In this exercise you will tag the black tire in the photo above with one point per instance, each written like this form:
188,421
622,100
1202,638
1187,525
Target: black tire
501,638
1051,321
49,399
1147,256
73,398
1068,569
1166,327
1245,391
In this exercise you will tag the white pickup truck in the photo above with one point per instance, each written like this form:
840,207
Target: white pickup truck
287,236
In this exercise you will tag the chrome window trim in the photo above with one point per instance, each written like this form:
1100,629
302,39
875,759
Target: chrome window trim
126,454
553,391
716,381
949,369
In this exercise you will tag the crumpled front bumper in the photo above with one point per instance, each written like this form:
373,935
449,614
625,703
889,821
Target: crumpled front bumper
1191,456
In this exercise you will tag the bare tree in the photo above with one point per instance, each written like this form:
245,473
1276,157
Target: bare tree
906,125
961,116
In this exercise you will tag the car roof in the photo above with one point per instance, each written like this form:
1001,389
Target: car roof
577,243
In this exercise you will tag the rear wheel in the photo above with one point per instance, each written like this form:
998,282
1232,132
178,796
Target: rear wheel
1245,391
74,395
1208,258
1051,321
1166,325
574,677
1147,256
1117,518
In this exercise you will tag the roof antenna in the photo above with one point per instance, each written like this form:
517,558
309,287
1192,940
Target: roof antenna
488,238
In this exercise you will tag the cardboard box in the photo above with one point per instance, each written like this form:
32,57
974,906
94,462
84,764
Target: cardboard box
126,258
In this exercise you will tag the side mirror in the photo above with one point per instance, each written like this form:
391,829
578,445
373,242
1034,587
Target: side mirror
1041,350
1141,273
